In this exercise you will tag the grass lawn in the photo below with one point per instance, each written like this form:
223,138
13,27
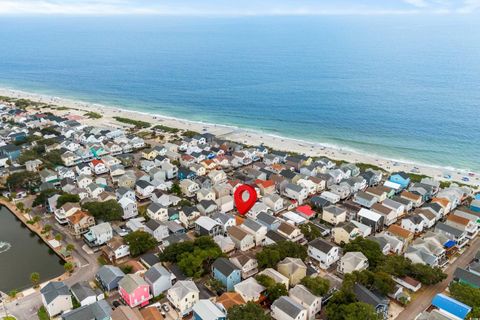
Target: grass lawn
43,314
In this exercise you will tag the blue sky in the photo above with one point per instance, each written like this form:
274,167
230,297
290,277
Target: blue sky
239,7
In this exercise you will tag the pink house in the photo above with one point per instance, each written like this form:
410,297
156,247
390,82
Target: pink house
134,290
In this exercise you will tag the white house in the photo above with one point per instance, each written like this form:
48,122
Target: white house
56,298
352,261
129,207
183,295
324,252
285,308
308,300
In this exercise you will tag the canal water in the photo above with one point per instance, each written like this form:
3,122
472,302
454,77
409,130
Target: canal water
23,252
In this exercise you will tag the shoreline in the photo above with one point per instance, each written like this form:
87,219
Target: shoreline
78,108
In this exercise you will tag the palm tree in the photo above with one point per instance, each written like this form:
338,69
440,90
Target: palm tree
35,278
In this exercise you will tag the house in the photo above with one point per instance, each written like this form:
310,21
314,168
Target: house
269,221
324,252
80,222
157,229
469,226
129,208
207,207
188,215
225,203
398,207
205,309
274,202
400,178
33,165
422,256
247,263
258,230
65,211
157,212
429,218
225,243
416,199
243,240
452,233
225,220
226,272
296,192
285,308
378,302
183,295
134,290
97,310
158,278
467,277
454,309
301,295
207,226
402,234
126,313
352,261
382,243
98,167
290,232
108,277
408,283
99,234
47,175
414,224
115,249
56,298
151,313
230,299
334,214
292,268
390,215
372,219
345,232
144,189
249,289
365,199
395,244
83,293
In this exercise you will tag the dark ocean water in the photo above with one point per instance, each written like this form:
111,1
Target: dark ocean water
402,87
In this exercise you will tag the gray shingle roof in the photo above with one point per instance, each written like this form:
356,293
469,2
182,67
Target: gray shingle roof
289,306
224,266
53,290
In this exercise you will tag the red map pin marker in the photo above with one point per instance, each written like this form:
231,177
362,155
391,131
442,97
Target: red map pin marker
244,205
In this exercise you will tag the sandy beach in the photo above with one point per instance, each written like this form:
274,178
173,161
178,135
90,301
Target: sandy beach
79,108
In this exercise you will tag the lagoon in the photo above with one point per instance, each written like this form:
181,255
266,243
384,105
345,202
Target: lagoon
23,252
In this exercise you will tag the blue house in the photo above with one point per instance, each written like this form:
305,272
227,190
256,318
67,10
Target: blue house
11,151
226,272
184,173
451,306
18,137
401,178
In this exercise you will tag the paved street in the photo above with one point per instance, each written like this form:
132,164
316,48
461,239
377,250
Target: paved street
425,299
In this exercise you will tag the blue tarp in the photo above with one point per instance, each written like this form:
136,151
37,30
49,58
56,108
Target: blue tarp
477,196
449,244
451,306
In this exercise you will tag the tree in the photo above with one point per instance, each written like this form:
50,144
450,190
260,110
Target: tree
58,237
276,291
23,179
310,231
318,286
369,248
42,197
395,265
379,281
70,247
176,189
426,274
248,311
13,293
358,311
197,263
20,206
35,278
66,198
265,280
46,229
140,242
68,266
107,211
468,295
271,255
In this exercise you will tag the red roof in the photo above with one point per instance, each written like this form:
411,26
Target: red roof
96,162
264,183
306,210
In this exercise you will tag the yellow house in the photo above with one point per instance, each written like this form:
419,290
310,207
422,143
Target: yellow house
149,154
292,268
345,232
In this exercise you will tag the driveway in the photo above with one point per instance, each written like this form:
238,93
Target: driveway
423,301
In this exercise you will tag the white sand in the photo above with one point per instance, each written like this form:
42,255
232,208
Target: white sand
241,135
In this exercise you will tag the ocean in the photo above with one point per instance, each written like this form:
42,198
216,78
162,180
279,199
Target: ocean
401,87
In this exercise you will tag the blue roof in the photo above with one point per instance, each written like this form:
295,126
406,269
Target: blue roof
451,306
477,196
449,244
